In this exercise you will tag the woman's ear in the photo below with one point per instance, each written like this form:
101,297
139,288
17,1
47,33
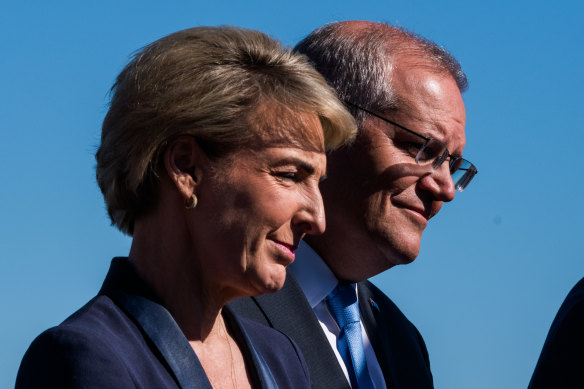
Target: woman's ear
183,160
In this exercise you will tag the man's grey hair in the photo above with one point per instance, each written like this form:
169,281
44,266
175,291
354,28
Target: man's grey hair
357,62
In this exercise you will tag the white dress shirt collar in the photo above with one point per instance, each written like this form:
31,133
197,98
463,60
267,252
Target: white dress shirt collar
317,281
313,275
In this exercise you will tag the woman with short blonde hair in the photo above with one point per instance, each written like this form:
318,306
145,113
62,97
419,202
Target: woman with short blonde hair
210,158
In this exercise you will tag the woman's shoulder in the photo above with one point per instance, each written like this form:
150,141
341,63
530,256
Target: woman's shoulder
100,319
97,346
73,354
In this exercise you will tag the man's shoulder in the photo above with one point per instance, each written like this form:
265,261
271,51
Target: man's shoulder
268,336
575,299
379,301
368,287
568,322
562,356
279,351
383,309
398,344
267,307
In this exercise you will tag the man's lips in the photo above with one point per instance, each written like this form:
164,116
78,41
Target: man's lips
421,211
418,211
286,247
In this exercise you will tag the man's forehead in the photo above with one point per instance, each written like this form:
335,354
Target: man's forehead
430,100
416,73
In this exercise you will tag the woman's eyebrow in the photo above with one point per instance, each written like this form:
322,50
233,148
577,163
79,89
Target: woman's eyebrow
302,164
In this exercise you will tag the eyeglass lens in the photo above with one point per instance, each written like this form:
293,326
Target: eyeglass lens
462,172
433,153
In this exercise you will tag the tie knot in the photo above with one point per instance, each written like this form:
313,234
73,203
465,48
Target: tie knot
342,303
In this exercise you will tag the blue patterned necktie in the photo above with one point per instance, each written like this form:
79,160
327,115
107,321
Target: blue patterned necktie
342,303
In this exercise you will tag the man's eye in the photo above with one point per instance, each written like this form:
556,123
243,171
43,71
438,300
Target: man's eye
292,176
411,148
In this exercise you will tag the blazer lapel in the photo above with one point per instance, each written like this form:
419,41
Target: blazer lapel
373,321
289,312
399,348
162,330
261,373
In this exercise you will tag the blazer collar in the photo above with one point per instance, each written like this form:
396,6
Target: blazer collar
127,290
399,348
159,326
373,320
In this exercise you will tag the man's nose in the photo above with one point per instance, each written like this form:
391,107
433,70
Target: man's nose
439,183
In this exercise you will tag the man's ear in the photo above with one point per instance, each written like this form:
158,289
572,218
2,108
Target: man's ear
183,160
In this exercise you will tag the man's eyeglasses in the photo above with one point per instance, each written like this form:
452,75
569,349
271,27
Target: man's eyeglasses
432,153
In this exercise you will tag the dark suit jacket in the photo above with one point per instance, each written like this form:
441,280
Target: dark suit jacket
561,363
398,345
124,339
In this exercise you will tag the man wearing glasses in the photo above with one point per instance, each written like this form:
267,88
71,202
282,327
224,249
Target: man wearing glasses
381,191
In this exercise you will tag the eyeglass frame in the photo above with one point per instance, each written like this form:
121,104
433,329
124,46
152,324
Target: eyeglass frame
453,158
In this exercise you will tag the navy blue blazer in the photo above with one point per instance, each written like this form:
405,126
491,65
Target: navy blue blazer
561,363
399,347
123,338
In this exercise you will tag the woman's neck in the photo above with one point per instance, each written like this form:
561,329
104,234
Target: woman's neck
178,278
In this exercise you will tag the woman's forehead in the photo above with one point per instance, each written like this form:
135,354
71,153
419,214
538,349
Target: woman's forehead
275,125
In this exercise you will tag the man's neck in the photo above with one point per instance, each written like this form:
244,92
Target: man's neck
313,274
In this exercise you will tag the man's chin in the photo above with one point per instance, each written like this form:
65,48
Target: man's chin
406,257
397,253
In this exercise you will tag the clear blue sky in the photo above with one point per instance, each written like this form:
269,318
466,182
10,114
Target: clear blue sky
495,264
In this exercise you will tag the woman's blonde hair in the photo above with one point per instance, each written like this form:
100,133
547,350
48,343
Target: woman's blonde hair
211,83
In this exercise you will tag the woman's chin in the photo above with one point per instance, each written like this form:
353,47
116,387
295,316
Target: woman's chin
270,284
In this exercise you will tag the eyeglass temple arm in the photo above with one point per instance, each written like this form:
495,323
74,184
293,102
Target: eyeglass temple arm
387,120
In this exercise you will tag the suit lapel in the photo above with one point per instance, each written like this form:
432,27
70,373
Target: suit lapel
373,321
129,292
398,346
162,330
289,312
